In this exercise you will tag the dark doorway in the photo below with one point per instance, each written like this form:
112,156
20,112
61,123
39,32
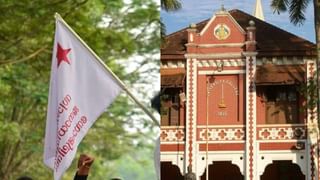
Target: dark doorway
170,172
223,170
282,170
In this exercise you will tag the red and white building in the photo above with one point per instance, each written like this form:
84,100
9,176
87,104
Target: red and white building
230,102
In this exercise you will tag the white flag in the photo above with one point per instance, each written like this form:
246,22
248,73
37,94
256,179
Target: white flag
80,90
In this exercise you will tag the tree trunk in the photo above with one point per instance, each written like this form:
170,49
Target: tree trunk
316,4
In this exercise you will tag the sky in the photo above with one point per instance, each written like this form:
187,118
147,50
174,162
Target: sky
194,11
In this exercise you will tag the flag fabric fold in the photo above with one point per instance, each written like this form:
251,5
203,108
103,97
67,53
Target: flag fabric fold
80,90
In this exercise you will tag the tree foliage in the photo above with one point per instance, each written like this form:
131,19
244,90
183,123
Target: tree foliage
296,8
115,29
168,5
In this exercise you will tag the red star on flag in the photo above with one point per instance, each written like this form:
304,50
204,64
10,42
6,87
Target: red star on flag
62,54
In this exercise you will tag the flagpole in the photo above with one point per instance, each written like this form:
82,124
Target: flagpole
57,16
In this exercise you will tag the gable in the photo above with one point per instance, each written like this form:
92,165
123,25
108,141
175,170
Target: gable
222,28
271,40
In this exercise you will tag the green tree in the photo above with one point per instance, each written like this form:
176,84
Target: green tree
139,162
115,29
168,5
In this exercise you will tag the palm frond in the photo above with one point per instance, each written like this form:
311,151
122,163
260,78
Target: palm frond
279,6
162,31
170,5
297,10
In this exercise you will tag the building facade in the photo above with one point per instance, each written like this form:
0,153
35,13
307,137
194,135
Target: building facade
233,102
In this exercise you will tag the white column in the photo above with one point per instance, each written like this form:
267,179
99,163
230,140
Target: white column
313,132
191,115
251,143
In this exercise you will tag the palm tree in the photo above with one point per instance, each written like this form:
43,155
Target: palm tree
297,9
168,5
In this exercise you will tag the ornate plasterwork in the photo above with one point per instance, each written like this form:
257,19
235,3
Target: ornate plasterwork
237,62
251,146
225,62
312,125
230,55
176,158
222,13
221,31
191,113
281,133
222,134
172,64
236,157
266,158
172,135
282,60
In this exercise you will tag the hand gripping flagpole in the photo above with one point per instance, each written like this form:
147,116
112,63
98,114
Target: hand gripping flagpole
155,121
